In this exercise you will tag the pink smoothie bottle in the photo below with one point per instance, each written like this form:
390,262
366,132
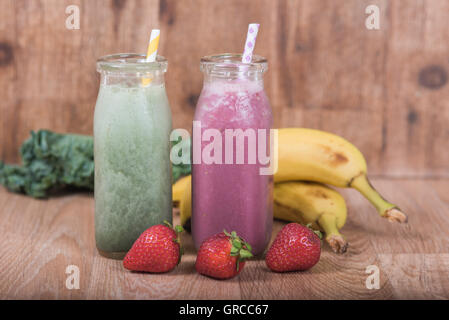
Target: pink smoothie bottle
231,143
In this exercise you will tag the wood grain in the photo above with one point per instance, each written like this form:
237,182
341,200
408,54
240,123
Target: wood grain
40,238
385,90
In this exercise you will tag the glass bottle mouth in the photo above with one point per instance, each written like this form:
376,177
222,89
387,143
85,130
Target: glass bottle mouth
131,63
230,65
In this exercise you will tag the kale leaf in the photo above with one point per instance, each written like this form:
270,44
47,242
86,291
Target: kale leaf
180,170
52,161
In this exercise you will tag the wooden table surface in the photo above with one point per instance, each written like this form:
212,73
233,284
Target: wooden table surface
40,238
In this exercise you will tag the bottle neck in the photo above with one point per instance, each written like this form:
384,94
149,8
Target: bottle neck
130,80
233,76
131,70
218,85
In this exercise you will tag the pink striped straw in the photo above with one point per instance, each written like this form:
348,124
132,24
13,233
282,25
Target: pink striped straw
250,43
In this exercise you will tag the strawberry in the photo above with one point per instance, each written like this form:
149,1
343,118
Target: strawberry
295,247
222,255
156,250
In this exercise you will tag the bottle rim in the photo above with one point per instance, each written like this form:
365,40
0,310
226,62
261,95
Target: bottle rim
231,64
130,63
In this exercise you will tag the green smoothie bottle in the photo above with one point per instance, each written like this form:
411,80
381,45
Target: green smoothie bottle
132,126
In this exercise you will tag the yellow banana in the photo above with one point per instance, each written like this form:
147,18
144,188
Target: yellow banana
185,205
178,189
303,202
310,202
314,155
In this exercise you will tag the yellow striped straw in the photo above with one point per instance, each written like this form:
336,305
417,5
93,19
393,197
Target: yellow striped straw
152,51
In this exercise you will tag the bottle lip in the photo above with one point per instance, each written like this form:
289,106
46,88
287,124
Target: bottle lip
231,63
130,63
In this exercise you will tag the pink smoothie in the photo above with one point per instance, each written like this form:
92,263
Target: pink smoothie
234,196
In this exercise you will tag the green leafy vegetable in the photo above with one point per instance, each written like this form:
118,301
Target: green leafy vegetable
180,170
52,161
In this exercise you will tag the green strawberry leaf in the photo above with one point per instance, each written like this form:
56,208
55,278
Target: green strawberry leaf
236,244
245,254
318,233
181,252
168,224
179,229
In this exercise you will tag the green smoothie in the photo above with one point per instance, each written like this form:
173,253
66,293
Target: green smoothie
132,125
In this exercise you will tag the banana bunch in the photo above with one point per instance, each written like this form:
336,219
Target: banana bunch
319,158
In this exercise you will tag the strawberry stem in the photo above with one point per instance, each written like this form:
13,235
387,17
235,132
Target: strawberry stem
239,247
178,230
317,232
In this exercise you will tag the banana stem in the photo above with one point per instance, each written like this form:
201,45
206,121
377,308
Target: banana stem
328,223
385,208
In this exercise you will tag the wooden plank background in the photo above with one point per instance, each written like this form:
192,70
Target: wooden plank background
385,90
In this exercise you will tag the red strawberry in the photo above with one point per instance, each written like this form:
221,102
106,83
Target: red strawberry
222,255
296,247
157,249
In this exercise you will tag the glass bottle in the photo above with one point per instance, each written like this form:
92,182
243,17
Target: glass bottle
132,125
233,115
